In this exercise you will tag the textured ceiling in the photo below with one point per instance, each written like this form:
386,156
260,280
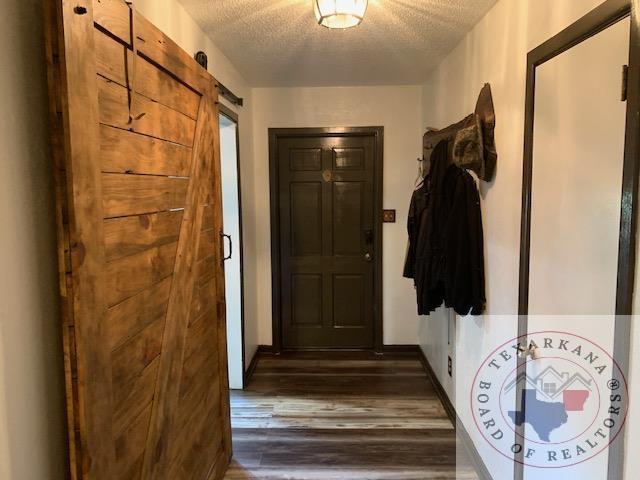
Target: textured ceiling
279,43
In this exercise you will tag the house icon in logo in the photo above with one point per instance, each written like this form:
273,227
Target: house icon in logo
550,384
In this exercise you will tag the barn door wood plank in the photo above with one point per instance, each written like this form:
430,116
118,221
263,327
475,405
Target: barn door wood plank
166,400
204,300
200,333
131,358
161,50
129,317
208,222
130,447
115,61
114,17
203,438
157,85
149,117
52,50
139,394
126,236
131,275
110,58
79,93
125,194
219,466
123,151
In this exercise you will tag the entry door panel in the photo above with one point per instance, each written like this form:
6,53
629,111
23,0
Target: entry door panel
136,149
326,241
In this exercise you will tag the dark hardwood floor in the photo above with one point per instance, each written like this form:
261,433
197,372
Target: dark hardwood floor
326,416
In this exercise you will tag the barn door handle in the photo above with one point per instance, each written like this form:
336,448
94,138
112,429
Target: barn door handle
228,237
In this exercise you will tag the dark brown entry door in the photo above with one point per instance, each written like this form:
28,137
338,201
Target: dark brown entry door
326,240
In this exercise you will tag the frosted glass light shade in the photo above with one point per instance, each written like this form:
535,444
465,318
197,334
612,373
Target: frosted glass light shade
339,13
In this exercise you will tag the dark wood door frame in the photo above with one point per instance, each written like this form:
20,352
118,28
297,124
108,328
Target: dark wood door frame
233,116
274,135
602,17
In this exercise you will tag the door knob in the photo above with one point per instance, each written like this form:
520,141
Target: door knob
531,351
368,257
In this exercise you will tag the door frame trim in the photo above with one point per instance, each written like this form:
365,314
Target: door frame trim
233,116
274,136
594,22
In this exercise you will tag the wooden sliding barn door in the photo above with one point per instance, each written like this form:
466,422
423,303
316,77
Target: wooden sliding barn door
136,148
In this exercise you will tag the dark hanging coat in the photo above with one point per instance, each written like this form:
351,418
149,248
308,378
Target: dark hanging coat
446,252
417,210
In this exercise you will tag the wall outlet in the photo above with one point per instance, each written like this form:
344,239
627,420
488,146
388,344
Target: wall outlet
450,366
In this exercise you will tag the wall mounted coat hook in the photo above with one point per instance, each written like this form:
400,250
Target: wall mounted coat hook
471,140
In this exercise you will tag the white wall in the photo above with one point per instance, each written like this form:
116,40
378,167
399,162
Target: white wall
32,434
171,17
397,108
494,51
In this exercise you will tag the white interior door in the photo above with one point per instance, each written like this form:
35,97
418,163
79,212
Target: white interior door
233,272
578,154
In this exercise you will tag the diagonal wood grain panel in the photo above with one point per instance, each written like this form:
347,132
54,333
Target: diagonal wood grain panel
167,390
136,150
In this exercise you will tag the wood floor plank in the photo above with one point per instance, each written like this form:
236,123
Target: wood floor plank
271,364
238,471
337,422
338,416
365,385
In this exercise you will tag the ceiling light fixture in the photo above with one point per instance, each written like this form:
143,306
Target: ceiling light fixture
339,13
